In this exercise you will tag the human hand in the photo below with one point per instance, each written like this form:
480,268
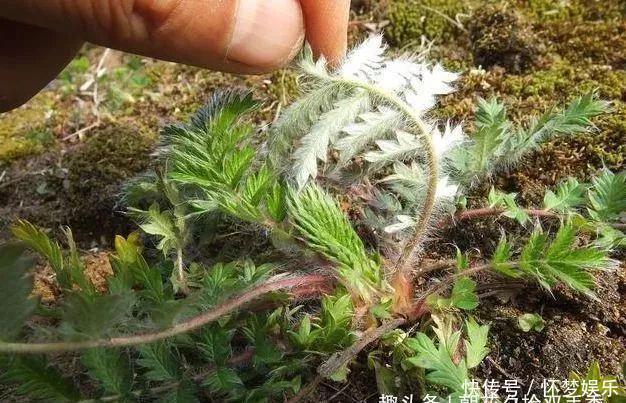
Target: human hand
39,37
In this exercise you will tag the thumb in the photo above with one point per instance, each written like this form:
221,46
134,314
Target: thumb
243,36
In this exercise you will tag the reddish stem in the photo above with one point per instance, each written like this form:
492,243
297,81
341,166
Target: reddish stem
196,322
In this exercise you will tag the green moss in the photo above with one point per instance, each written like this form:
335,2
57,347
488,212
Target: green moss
25,131
96,171
601,42
558,10
409,20
500,36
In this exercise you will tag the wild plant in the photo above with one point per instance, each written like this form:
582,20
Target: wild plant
360,149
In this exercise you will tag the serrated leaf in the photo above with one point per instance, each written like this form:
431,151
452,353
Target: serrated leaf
568,196
441,370
111,367
42,244
160,362
223,381
161,224
560,261
607,199
476,347
215,345
319,219
464,294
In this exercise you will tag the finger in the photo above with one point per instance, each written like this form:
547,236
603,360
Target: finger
327,27
245,36
30,58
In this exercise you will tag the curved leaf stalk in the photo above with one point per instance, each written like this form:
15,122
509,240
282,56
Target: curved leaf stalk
189,325
410,248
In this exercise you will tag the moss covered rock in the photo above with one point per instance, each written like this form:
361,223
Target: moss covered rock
500,36
435,19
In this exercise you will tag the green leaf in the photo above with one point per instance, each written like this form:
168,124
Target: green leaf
277,202
303,338
257,185
462,260
561,261
492,124
42,244
341,375
112,368
86,315
161,224
464,294
36,379
507,202
501,259
16,306
531,321
476,348
327,230
441,370
569,195
607,199
75,266
160,362
215,345
223,381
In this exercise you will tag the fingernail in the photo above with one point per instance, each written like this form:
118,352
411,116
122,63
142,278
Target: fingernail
266,33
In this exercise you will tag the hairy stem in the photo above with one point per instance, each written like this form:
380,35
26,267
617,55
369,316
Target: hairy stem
180,267
188,325
489,212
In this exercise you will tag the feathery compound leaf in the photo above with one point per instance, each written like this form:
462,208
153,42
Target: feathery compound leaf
298,118
364,60
16,306
495,145
223,109
209,149
223,381
160,361
568,196
327,230
42,244
476,159
35,378
315,144
607,199
111,367
404,147
573,120
551,263
371,127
